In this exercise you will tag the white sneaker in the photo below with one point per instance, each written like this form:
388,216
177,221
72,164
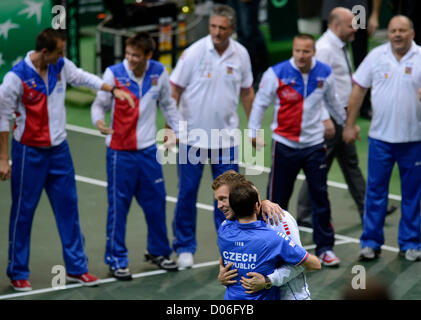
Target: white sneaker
368,254
185,260
412,255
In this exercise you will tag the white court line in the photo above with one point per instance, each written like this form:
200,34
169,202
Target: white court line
101,183
333,184
110,280
342,239
211,208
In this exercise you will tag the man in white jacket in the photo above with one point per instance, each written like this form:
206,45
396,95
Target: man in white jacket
298,87
132,166
34,91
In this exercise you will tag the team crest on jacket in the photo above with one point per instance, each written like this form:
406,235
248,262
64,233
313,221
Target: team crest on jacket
229,70
408,70
320,83
154,80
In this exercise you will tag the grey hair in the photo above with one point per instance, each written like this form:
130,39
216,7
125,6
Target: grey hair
223,10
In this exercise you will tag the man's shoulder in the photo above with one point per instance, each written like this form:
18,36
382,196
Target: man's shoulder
322,69
325,46
21,70
239,48
226,224
19,67
117,68
323,41
156,67
282,68
197,48
378,51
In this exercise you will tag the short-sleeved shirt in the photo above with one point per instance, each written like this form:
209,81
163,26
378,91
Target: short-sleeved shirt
212,85
252,247
394,93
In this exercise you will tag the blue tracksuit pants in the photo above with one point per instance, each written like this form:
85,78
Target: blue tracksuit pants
190,168
381,159
35,169
135,174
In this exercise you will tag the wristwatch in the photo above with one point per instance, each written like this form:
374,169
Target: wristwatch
112,90
268,283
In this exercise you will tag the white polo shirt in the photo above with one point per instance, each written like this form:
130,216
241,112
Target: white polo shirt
211,86
329,49
394,93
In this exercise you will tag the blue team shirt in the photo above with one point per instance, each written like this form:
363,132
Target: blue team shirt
252,247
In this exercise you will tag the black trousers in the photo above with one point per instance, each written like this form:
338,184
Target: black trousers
286,164
347,157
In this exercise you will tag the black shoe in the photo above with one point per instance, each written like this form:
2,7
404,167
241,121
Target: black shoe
390,210
164,262
121,274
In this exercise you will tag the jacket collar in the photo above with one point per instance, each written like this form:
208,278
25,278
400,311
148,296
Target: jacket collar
130,72
292,62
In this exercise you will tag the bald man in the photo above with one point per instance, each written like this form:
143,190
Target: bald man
331,49
360,45
393,70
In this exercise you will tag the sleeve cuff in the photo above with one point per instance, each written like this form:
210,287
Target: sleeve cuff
303,259
177,85
358,84
272,279
4,124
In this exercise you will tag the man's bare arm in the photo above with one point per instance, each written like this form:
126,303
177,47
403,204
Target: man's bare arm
247,98
176,92
312,263
351,131
5,169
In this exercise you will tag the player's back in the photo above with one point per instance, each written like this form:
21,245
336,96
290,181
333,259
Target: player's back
252,247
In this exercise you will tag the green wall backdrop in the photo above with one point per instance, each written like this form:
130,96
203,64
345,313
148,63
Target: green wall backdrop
20,23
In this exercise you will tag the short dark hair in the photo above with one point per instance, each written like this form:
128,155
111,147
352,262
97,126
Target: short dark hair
243,197
142,40
47,39
305,36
